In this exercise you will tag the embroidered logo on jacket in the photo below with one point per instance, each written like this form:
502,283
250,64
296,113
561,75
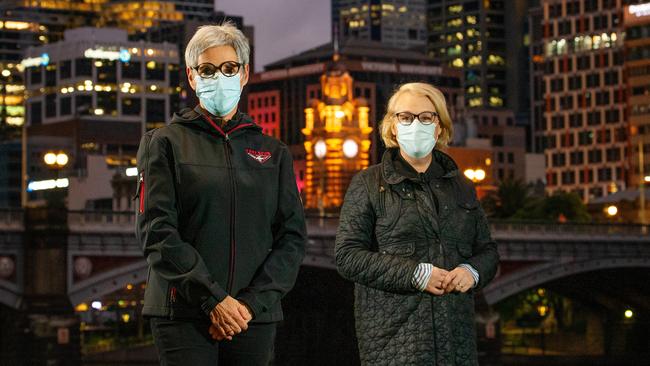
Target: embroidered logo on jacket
259,156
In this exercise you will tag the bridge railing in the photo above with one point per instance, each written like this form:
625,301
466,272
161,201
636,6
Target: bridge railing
326,226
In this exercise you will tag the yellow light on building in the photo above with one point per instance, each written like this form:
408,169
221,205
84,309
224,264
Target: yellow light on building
81,307
628,314
6,73
126,318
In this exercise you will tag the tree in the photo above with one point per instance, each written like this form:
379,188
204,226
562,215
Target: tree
511,195
561,206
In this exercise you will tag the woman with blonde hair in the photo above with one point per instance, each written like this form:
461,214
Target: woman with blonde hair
415,240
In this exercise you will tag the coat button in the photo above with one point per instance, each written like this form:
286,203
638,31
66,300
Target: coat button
437,185
445,207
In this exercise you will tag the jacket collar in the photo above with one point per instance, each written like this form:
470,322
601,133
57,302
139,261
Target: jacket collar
392,176
197,117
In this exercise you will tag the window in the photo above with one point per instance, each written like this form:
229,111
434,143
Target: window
584,63
155,71
611,77
497,140
65,70
567,140
575,120
106,71
593,80
83,103
585,138
593,118
35,75
568,177
36,113
577,157
155,111
602,98
107,101
604,136
65,106
604,174
50,105
511,158
174,75
83,67
575,82
595,156
613,154
131,70
559,159
131,106
612,116
557,122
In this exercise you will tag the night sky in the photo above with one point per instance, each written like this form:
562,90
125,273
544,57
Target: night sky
282,27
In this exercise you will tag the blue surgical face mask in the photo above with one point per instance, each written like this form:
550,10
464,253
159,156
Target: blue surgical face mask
417,140
219,95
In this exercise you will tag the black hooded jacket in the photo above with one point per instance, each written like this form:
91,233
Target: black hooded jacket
218,213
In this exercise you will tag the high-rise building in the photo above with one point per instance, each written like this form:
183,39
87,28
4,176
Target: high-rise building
471,36
584,97
399,24
637,73
101,91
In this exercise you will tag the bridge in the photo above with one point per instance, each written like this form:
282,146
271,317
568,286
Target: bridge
103,256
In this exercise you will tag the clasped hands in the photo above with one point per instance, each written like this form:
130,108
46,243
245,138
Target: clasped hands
229,318
442,281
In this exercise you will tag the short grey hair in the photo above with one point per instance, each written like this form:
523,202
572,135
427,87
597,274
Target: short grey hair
208,36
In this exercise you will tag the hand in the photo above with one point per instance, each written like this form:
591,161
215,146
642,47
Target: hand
459,279
228,318
434,286
218,333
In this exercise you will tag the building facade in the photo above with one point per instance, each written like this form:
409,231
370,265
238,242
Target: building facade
584,97
399,24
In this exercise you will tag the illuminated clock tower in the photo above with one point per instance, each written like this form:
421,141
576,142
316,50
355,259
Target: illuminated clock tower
337,139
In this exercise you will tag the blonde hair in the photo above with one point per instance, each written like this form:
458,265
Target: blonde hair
436,97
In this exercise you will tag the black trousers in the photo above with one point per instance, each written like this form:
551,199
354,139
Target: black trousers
188,342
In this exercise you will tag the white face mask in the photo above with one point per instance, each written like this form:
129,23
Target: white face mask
417,140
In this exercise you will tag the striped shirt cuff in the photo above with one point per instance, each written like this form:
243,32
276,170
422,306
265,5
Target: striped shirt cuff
472,271
421,276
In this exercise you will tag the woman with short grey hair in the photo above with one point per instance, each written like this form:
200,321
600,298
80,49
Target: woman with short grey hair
218,217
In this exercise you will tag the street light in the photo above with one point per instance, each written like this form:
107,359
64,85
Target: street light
611,210
56,160
475,175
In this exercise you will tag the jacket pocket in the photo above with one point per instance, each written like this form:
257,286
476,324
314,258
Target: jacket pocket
405,249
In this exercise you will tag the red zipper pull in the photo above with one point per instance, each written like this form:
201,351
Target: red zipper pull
141,208
173,294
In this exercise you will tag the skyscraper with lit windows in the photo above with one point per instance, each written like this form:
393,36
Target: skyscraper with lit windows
400,24
584,97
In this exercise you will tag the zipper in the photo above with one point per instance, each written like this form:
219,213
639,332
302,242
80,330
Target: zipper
233,194
382,194
141,181
172,301
233,198
436,204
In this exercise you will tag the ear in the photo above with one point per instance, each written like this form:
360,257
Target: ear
393,129
245,76
190,78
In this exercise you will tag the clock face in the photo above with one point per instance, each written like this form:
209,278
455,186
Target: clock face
350,148
320,149
7,267
83,267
